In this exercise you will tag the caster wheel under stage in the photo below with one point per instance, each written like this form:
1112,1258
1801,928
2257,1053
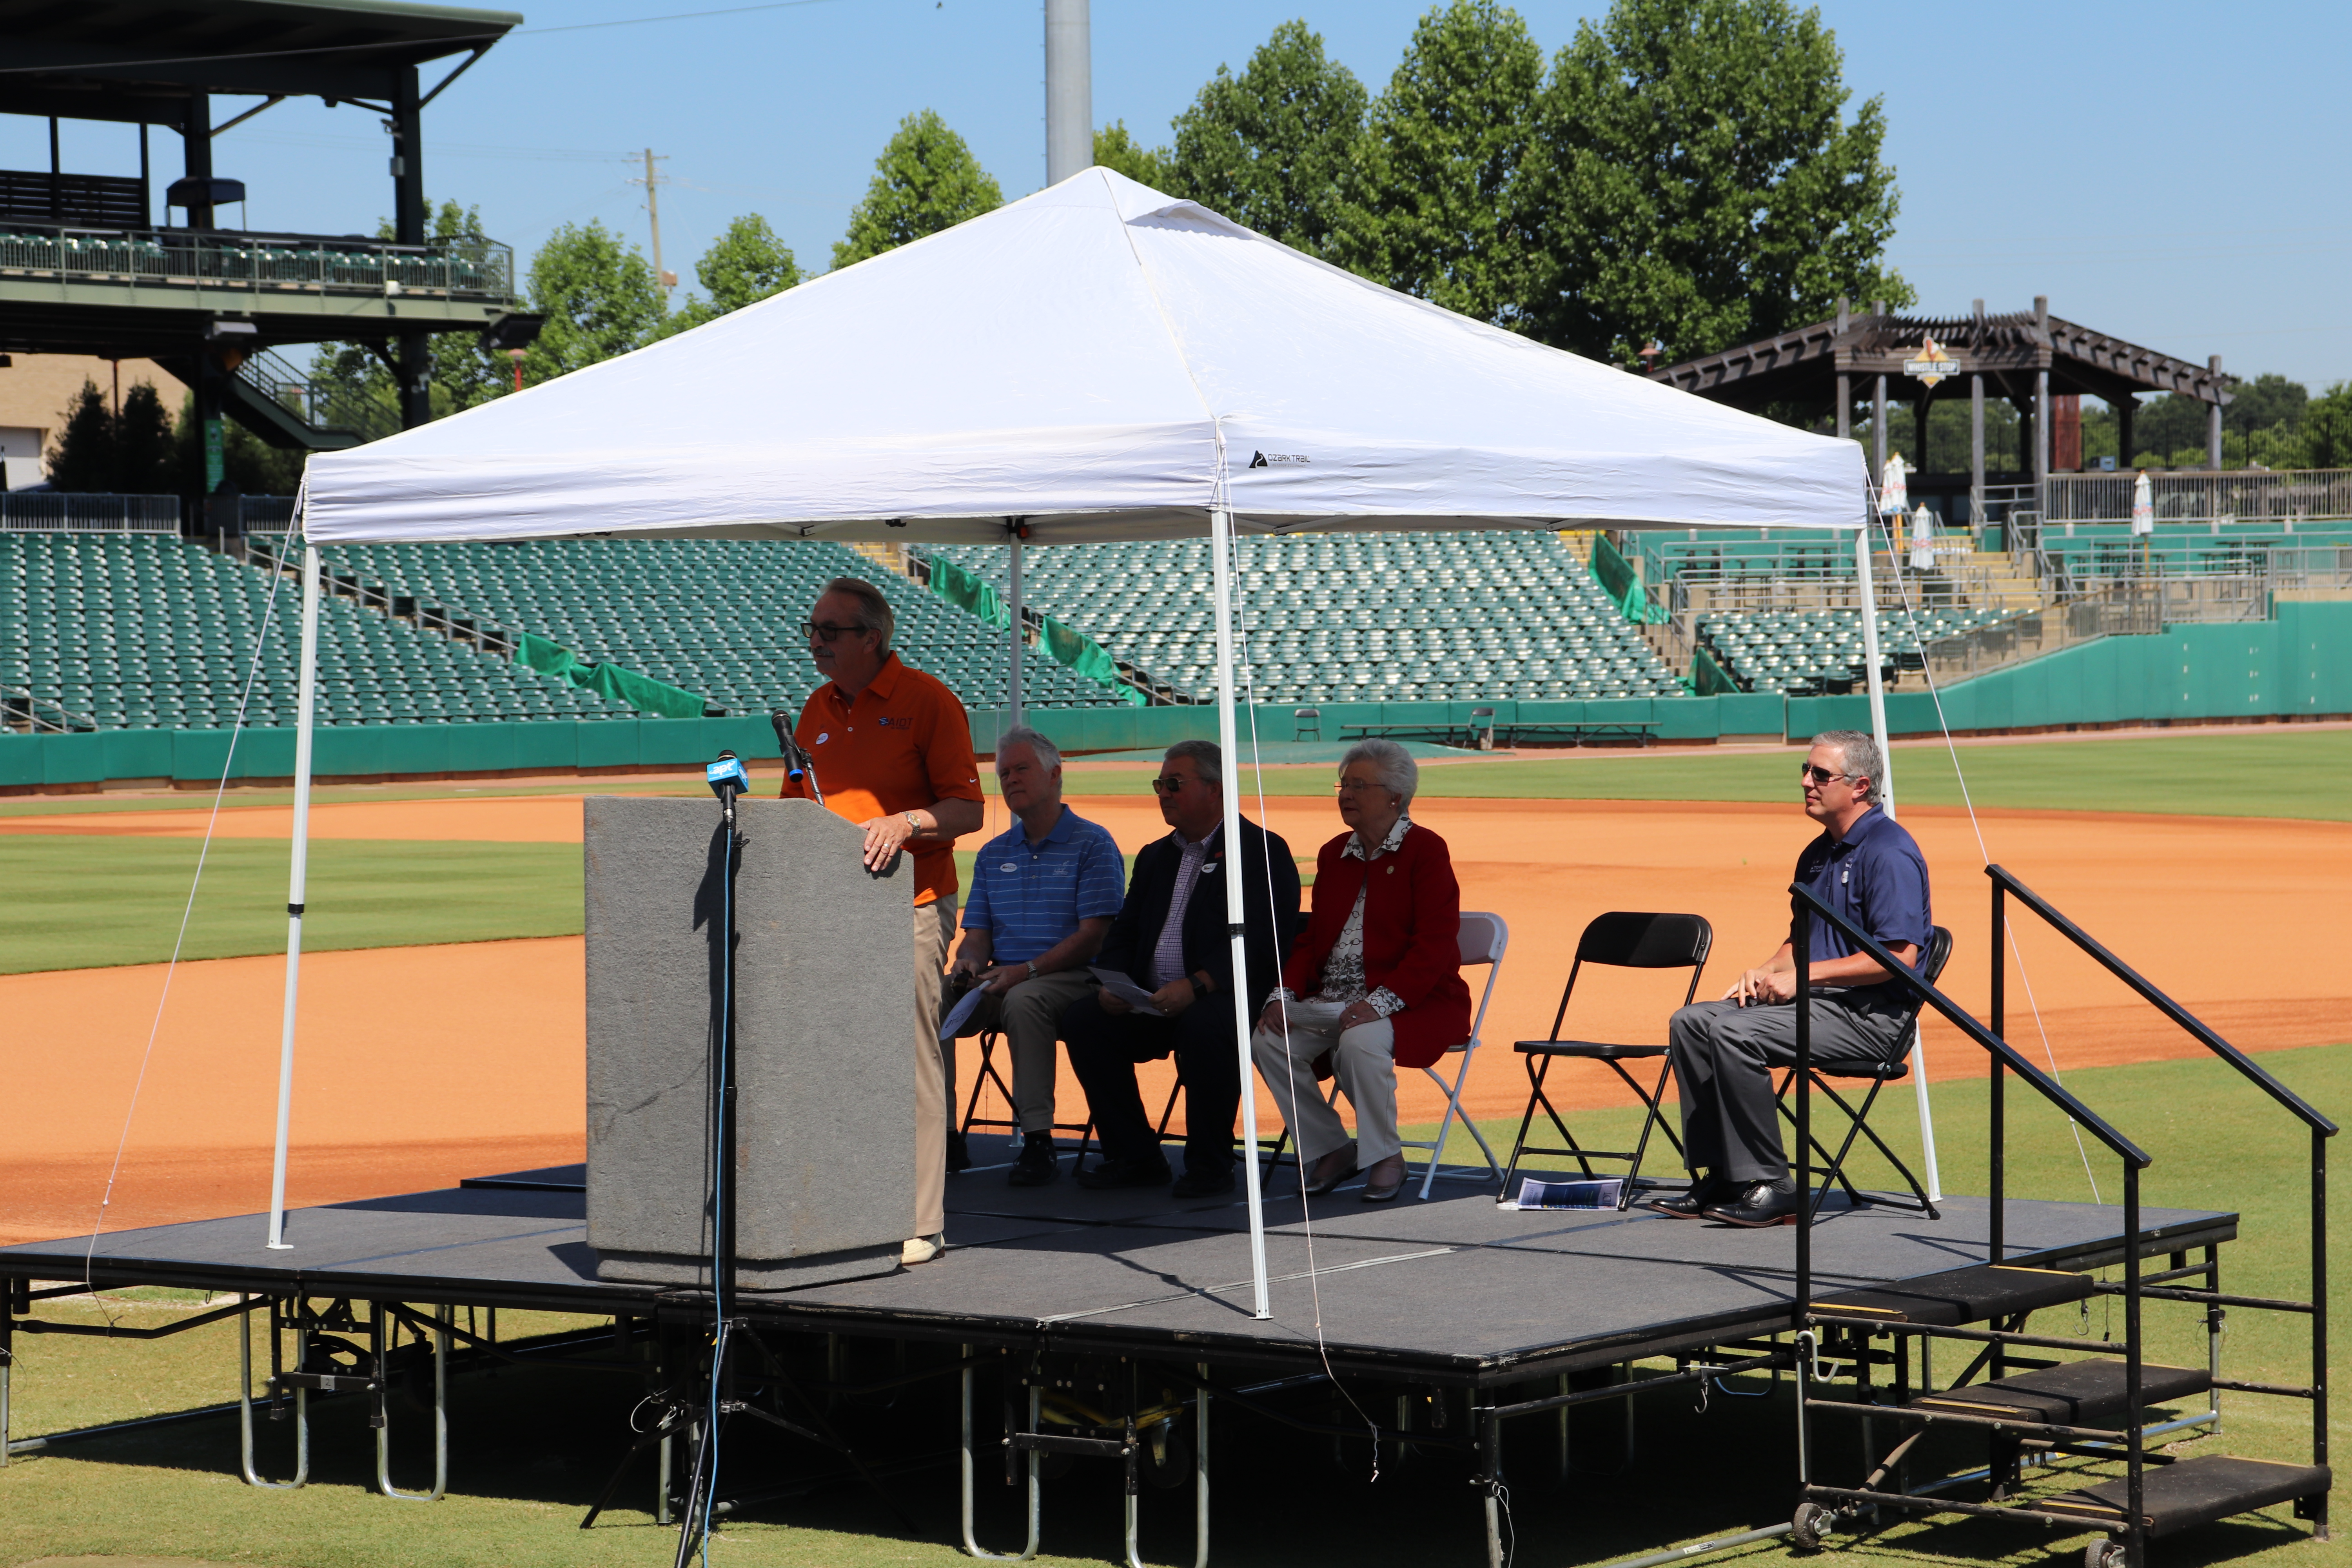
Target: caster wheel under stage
2103,1554
1811,1522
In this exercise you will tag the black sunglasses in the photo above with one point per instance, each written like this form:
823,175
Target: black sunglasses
1807,773
1165,785
826,629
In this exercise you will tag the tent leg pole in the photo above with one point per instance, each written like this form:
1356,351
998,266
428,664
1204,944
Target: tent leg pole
1870,645
1013,602
306,724
1220,542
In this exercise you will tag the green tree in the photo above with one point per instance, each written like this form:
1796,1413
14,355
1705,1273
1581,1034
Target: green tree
743,265
249,465
2264,403
1435,189
926,180
2328,428
598,295
144,445
1117,148
1697,181
1274,147
82,455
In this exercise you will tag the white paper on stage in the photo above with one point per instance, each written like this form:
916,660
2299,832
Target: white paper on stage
1104,361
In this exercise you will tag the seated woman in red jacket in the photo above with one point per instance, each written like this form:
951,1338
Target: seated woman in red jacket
1375,982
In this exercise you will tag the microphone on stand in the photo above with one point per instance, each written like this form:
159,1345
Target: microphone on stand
798,765
727,779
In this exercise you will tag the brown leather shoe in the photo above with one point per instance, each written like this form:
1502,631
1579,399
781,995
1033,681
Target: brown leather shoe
1338,1166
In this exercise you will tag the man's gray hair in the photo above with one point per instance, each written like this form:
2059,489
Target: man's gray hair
1862,757
874,612
1049,755
1206,759
1399,774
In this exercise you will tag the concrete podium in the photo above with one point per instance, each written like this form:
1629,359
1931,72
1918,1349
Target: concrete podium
824,1163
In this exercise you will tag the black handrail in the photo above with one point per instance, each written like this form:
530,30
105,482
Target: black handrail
2005,886
2245,1065
1958,1018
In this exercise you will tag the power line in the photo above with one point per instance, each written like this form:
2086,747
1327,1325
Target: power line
677,17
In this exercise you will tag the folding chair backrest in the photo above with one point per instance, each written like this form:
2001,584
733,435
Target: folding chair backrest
1628,939
1482,938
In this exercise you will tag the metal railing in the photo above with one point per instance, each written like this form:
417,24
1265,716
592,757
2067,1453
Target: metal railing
2006,887
27,711
468,268
325,405
61,511
2284,496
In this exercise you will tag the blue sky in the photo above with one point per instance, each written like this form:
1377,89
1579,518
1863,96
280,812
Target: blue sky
2168,173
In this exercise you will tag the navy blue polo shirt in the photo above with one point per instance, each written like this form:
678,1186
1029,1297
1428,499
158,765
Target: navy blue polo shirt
1874,878
1029,897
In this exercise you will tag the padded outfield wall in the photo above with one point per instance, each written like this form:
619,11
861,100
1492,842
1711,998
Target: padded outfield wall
2298,665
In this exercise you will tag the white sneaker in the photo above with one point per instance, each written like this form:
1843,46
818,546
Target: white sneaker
923,1249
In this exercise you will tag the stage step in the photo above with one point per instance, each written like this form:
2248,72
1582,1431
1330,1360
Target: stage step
2190,1492
1957,1295
2079,1393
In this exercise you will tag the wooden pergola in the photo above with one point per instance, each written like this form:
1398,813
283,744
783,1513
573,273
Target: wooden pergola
2027,357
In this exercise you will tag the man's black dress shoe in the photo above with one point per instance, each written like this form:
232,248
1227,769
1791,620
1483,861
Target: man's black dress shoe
1703,1192
959,1155
1037,1164
1761,1204
1196,1184
1123,1174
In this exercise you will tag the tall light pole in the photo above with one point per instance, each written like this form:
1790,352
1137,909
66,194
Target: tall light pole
1069,89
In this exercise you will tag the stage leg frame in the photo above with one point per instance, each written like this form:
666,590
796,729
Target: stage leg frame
1036,1498
381,1418
253,1477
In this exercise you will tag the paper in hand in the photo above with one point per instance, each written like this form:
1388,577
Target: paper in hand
1127,991
960,1013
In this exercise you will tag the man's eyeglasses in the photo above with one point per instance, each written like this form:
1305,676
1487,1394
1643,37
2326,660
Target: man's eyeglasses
1168,784
1807,773
812,630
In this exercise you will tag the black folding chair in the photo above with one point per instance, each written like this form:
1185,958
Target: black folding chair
1879,1074
1620,939
987,1074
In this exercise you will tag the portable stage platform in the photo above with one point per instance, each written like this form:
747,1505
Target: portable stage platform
1490,1308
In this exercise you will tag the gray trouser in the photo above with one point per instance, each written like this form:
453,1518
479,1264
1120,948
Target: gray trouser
1029,1016
1724,1055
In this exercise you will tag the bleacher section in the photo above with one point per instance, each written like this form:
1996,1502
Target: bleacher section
1814,652
1339,617
719,617
141,631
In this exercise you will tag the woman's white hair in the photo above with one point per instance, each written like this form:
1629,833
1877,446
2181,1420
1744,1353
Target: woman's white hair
1399,774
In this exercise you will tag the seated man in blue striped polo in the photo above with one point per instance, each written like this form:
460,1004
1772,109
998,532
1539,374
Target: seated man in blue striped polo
1042,897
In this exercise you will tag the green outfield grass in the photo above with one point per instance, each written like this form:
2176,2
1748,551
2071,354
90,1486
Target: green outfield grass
531,1447
86,902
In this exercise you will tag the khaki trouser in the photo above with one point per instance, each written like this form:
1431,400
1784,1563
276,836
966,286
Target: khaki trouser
1029,1016
1362,1059
934,927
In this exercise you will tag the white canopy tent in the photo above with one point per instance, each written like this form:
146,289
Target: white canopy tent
1098,362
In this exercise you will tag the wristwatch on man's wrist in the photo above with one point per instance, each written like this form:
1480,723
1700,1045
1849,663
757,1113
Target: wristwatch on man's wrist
914,827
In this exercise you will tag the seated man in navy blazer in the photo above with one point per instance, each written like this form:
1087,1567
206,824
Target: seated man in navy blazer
1170,940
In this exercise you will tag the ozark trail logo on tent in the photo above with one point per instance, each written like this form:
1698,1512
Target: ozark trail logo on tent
1275,459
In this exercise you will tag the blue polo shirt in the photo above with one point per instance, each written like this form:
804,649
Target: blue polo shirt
1029,897
1874,878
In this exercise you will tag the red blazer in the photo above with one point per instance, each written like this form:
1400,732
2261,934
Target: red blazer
1413,922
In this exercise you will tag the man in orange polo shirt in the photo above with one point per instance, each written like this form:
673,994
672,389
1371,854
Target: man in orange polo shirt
891,750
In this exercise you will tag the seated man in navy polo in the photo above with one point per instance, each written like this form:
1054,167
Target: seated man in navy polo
1043,896
1867,868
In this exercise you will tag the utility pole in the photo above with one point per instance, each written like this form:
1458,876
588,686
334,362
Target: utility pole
1069,89
652,183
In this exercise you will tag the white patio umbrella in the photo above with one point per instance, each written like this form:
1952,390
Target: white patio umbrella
1097,361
